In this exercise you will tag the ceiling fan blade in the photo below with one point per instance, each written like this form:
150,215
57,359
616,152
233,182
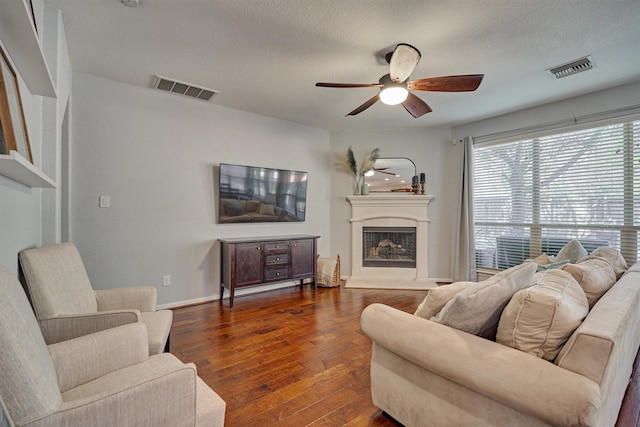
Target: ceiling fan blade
381,171
463,83
416,106
403,61
348,85
364,106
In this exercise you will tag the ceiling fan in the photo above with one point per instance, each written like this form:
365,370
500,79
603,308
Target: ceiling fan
394,89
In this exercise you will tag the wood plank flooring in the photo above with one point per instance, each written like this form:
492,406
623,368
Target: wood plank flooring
292,357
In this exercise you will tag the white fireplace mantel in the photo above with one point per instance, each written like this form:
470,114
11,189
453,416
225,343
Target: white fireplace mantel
390,210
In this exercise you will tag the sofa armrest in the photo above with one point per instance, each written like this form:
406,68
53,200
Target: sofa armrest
66,327
143,298
516,379
86,358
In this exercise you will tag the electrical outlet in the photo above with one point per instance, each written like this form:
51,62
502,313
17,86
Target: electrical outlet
166,280
104,201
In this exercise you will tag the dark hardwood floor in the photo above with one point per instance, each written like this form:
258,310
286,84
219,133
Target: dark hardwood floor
295,357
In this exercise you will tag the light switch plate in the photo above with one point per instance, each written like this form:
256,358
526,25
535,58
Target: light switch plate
104,202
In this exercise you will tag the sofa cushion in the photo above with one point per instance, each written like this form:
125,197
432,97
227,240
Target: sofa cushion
540,319
477,308
614,256
437,298
573,251
595,275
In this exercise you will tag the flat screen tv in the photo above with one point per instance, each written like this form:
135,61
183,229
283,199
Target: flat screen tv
258,194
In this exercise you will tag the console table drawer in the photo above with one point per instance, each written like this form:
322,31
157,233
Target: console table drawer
277,259
281,273
276,248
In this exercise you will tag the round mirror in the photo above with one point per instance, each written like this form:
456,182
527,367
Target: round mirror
391,174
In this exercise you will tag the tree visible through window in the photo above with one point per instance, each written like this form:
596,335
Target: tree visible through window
533,196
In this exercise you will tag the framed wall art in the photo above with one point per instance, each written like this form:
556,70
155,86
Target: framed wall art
13,127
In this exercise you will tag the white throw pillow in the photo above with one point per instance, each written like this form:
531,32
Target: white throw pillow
437,298
477,308
573,251
595,275
540,319
614,256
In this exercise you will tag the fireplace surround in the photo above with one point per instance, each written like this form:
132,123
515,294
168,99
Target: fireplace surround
390,241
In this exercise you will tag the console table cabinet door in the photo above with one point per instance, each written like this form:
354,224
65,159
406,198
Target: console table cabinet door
303,253
248,264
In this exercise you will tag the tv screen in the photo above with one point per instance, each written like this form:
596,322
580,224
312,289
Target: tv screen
257,194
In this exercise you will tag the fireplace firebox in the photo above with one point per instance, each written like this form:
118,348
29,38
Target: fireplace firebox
389,247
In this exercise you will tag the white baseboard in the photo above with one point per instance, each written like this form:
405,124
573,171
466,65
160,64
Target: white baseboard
239,292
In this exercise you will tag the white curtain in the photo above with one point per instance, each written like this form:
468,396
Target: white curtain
464,259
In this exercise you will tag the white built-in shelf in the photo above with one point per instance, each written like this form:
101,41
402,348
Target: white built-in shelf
20,39
19,169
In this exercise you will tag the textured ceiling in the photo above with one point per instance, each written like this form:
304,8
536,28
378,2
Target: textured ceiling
264,56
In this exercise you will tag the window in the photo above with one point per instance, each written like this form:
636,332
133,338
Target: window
534,195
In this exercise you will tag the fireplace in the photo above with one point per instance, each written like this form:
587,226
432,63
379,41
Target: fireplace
389,247
390,241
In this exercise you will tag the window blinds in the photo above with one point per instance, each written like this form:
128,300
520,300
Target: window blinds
534,195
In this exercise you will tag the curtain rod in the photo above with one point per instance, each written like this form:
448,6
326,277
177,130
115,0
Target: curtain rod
619,112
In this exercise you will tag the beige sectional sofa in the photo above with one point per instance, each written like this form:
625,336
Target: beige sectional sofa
424,373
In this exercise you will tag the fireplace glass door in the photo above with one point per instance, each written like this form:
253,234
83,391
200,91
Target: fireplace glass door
389,247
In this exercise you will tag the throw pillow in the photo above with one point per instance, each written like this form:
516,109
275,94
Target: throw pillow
594,275
540,319
252,206
614,256
233,208
266,209
553,265
573,251
543,259
477,308
437,298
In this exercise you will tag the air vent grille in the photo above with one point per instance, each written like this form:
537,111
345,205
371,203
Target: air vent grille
573,67
186,89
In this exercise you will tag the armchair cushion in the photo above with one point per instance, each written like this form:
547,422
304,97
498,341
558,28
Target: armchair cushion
58,281
158,325
28,382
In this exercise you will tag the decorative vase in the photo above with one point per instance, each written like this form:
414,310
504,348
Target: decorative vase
364,190
356,185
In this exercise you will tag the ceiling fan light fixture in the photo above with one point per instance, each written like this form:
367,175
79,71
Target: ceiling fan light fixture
393,95
403,61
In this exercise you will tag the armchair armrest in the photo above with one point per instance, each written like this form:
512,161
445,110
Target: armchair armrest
158,391
514,378
86,358
66,327
143,298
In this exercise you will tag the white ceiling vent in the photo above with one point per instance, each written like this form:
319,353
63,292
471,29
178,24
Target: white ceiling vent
573,67
186,89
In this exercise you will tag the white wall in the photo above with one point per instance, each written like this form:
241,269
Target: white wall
432,152
154,154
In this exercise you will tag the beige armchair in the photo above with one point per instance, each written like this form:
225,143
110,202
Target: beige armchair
67,307
101,379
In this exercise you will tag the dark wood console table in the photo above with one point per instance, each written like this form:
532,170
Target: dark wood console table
253,261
